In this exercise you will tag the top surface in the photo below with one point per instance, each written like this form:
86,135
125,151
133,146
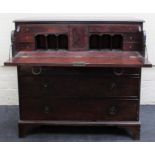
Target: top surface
79,19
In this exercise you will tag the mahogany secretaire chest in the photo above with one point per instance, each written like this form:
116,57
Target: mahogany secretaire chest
79,73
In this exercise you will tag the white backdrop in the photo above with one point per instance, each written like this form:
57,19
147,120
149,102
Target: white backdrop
6,25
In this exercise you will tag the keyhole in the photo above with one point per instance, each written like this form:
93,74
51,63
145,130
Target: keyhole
113,110
113,85
46,109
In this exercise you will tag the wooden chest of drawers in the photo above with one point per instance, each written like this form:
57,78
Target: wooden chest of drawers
86,94
79,73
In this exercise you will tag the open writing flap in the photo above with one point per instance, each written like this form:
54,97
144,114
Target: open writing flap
84,58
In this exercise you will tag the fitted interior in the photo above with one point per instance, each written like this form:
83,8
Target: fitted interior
96,41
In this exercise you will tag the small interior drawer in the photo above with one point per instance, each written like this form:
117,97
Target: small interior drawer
132,37
20,37
25,46
114,28
132,46
42,28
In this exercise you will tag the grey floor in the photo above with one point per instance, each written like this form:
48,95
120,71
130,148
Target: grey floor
9,130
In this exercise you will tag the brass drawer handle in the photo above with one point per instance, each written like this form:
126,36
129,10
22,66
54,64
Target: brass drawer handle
113,110
36,70
118,72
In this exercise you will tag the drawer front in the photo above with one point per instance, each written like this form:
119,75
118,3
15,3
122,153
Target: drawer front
47,71
80,86
21,37
132,46
114,28
48,108
42,28
132,37
24,46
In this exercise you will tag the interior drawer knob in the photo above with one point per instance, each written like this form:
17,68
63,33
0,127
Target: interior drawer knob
118,71
113,110
36,70
130,46
27,29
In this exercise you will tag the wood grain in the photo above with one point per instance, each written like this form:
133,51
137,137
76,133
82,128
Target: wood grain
87,58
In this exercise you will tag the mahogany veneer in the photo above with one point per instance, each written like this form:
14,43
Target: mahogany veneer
85,58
